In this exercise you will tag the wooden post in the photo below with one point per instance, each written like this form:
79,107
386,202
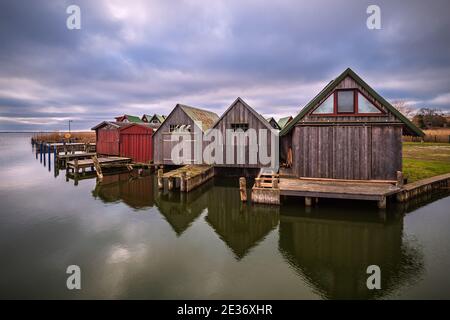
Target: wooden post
97,166
183,182
399,179
382,203
243,188
258,182
274,183
308,201
76,168
170,183
160,179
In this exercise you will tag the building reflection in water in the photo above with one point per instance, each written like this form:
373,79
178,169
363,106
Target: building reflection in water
332,248
240,226
136,192
181,209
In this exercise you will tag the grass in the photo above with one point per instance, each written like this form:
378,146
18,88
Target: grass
432,135
51,137
425,160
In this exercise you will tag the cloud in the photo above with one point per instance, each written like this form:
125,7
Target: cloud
146,56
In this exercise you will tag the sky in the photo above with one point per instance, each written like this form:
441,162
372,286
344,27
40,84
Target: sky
139,56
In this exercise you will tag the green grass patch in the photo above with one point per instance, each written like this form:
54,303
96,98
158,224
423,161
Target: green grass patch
425,160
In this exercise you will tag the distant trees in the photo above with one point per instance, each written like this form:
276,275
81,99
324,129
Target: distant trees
404,108
429,118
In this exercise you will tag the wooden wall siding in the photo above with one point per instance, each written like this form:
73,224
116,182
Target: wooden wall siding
347,152
107,141
386,151
240,114
168,145
136,143
349,83
177,117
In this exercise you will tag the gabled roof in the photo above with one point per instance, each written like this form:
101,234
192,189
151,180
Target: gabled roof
256,114
152,126
284,121
207,118
413,129
274,121
156,116
112,123
130,118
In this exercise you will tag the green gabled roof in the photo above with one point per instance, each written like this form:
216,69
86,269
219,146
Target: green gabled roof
150,117
329,88
284,121
133,118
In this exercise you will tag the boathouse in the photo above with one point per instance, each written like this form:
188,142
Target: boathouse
348,131
155,119
282,122
128,118
107,137
136,142
238,119
273,123
181,124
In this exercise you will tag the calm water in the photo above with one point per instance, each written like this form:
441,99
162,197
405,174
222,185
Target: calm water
133,242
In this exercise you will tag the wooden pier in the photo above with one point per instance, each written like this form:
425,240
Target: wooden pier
424,186
268,190
62,159
185,178
95,165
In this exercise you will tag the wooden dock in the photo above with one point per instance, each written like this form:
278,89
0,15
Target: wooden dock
424,186
270,186
62,159
74,166
270,189
185,178
354,190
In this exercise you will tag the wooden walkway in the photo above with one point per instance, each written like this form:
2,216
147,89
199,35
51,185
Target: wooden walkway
357,190
62,159
185,178
110,162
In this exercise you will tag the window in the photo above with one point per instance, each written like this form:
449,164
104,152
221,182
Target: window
327,106
239,126
365,106
346,101
180,128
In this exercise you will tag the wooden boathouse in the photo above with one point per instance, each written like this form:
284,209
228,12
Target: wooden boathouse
348,131
107,137
155,119
239,118
136,142
128,118
282,122
273,123
346,143
181,121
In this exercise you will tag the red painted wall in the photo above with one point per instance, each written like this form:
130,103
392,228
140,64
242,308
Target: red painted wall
108,141
136,143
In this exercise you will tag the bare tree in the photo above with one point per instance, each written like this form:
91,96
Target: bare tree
404,108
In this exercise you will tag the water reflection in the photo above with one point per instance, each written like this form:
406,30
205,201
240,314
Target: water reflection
181,209
331,251
240,226
136,192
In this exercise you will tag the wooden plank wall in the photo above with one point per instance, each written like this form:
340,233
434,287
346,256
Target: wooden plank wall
347,152
107,141
240,114
178,117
